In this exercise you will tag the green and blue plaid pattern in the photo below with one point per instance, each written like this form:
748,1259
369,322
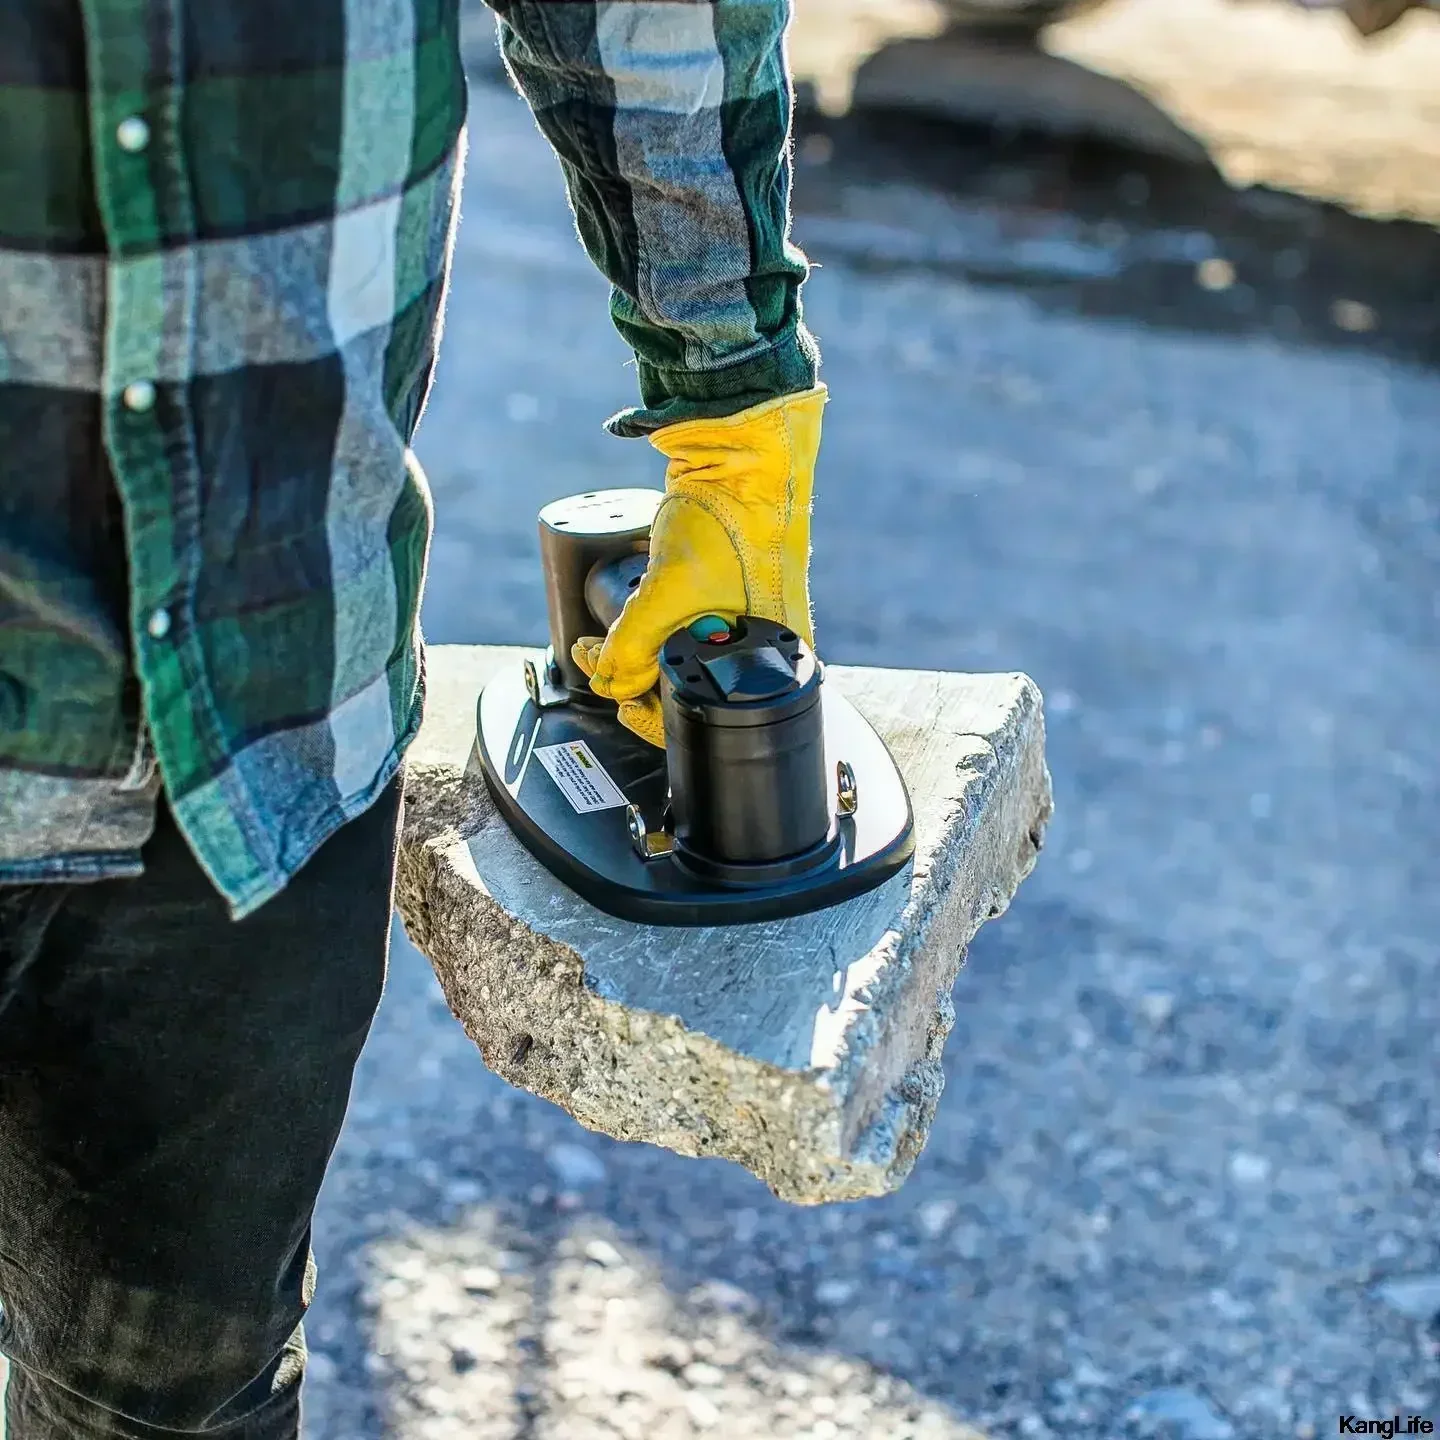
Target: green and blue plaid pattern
225,235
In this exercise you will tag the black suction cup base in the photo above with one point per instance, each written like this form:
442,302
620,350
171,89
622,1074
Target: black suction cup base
760,874
563,777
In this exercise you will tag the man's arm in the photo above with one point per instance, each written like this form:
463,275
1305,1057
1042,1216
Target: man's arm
671,119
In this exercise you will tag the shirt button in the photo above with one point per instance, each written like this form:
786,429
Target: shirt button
132,134
159,623
138,396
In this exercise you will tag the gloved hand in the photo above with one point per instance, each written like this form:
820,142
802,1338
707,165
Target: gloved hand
731,537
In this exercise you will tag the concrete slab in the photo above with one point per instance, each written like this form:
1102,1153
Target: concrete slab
807,1050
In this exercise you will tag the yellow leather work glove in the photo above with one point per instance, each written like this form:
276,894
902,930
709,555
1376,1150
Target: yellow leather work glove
731,537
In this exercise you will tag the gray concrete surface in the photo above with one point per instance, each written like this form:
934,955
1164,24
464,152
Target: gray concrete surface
1186,1170
806,1049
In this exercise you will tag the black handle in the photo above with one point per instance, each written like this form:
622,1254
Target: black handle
609,584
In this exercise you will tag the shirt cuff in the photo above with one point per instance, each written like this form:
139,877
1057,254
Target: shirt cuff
789,364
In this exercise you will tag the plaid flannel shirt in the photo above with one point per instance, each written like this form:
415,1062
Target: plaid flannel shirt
225,235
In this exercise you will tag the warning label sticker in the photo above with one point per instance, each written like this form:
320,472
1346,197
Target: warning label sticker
581,777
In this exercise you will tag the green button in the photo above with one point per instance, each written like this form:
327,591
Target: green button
709,626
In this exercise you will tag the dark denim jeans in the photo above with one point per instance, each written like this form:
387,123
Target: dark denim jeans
172,1085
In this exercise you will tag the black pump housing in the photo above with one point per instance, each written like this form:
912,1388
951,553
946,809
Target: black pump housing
744,727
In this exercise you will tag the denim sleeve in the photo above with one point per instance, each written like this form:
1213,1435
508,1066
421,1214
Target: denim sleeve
671,120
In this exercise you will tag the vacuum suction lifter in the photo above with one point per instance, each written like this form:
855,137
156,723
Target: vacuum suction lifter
773,795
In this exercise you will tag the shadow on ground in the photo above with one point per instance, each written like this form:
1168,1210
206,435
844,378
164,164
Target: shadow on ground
1089,227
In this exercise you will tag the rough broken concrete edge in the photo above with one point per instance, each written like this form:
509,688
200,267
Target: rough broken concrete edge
542,1029
891,1112
522,1000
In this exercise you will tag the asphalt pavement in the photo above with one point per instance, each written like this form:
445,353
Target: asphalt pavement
1186,1173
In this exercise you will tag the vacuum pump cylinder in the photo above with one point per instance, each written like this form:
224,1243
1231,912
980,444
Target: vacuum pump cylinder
745,749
